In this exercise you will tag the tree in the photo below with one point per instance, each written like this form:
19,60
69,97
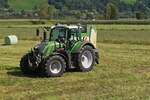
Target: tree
52,12
44,11
23,12
108,12
90,15
111,12
4,4
140,15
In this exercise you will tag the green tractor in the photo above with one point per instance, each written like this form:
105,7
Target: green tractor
67,47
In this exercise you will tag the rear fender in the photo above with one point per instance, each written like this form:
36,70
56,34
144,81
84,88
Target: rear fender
95,50
84,44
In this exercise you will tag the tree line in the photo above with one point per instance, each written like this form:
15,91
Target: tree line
81,9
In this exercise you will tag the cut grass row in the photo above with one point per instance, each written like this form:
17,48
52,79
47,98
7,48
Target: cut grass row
117,35
10,22
123,27
100,26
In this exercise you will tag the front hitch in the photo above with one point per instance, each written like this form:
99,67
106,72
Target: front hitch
34,58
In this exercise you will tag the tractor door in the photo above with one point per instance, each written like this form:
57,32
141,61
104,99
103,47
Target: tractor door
73,37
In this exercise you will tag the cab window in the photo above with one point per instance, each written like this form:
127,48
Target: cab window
56,33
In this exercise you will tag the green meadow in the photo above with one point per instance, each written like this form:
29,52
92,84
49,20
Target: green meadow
25,4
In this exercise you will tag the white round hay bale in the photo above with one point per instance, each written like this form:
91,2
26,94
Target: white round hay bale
11,39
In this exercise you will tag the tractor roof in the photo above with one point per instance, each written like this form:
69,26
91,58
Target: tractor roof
66,26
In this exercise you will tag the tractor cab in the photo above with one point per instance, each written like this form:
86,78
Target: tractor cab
68,35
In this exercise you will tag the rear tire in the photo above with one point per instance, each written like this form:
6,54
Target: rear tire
86,59
55,66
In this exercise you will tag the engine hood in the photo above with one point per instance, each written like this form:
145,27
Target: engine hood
46,48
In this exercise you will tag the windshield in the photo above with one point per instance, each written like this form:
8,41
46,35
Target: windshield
56,33
73,34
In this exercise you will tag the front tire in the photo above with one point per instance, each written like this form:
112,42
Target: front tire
55,66
86,59
25,66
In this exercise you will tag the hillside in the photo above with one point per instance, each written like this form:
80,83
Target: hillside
25,4
29,4
79,9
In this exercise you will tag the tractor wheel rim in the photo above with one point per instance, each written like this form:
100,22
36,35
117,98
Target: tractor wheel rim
86,59
55,67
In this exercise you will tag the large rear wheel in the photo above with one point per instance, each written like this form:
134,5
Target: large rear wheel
86,59
55,66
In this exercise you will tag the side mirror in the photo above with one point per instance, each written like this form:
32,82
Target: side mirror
37,32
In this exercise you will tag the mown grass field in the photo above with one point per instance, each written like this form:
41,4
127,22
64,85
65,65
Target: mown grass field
123,74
